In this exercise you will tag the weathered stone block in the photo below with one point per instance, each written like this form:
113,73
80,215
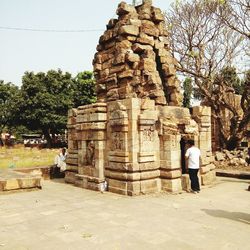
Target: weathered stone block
116,68
132,57
173,185
150,186
135,22
208,178
129,30
108,34
119,58
97,117
92,135
201,110
70,177
219,156
134,188
146,158
93,126
150,175
118,159
174,155
168,70
172,174
185,182
212,166
148,166
205,160
126,74
119,187
123,166
204,169
147,64
139,48
157,15
145,39
149,28
124,8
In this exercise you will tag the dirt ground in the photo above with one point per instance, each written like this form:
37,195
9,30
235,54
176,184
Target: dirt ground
61,216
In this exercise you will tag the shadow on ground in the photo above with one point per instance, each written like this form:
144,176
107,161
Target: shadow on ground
236,216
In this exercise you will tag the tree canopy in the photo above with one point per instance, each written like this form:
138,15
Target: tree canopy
9,96
45,100
47,97
84,89
206,46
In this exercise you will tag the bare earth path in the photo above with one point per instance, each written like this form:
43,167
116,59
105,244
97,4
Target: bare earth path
61,216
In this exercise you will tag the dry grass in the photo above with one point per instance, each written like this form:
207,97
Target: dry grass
21,157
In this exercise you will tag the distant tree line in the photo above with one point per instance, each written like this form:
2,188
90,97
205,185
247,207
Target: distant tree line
42,102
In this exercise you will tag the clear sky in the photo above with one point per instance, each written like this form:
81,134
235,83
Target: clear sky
22,51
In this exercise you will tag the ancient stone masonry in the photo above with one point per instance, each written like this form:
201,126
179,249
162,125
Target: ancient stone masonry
133,58
134,136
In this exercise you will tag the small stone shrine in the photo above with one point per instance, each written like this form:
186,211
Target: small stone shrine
134,136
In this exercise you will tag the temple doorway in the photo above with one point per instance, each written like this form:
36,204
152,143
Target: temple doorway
183,145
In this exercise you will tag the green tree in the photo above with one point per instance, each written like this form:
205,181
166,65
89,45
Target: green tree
46,98
188,90
84,89
230,76
9,98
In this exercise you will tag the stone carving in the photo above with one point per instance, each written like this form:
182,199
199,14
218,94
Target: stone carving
117,142
148,135
90,154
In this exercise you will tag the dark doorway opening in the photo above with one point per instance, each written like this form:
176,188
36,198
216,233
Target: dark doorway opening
183,144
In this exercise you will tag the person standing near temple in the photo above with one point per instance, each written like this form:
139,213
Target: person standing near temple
193,156
58,169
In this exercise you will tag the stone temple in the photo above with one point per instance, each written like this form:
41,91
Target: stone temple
134,136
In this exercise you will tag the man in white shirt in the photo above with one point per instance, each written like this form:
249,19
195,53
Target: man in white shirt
57,170
60,160
193,155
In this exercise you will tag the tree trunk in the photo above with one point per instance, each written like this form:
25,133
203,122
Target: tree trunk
229,138
233,142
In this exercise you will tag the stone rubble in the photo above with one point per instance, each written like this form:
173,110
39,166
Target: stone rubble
234,159
133,58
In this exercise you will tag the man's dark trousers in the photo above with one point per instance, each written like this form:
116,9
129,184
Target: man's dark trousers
193,175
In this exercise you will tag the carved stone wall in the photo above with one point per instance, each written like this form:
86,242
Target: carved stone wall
134,145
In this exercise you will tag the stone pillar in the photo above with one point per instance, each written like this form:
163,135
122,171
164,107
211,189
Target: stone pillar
91,137
170,166
119,163
202,115
132,142
149,143
72,157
